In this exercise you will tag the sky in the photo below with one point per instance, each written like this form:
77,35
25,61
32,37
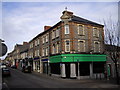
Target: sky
22,21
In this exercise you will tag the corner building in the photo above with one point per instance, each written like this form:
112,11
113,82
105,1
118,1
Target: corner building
74,47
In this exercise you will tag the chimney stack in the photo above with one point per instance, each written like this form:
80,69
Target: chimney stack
46,27
25,43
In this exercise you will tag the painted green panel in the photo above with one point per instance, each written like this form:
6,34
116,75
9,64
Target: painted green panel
55,59
78,58
67,59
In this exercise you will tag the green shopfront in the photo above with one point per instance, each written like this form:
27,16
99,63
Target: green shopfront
78,65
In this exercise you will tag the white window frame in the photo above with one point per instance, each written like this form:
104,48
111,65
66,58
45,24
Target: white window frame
38,41
57,48
58,32
43,54
46,37
43,40
96,33
46,51
66,45
67,29
79,46
78,28
97,47
53,34
38,52
35,42
53,49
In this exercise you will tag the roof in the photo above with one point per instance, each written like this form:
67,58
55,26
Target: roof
45,31
82,20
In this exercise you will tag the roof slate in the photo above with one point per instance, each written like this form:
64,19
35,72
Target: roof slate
82,20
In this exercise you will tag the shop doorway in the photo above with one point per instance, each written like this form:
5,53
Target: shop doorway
67,70
45,67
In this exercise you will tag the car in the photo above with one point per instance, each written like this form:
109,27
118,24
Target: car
6,72
26,69
3,66
14,66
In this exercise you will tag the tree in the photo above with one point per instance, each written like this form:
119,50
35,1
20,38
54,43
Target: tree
112,38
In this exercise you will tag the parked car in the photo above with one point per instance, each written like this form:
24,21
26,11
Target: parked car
26,69
3,66
14,66
6,72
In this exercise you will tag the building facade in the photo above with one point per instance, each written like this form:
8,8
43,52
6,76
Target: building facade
74,47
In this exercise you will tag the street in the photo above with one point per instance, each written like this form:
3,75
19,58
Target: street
19,79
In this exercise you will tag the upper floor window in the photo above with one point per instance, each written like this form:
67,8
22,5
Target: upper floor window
38,41
67,29
43,40
57,47
31,45
67,46
81,45
53,49
57,32
35,42
95,32
43,52
38,52
96,46
53,34
46,51
81,30
46,37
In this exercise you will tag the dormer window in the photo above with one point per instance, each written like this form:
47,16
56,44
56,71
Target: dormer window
66,29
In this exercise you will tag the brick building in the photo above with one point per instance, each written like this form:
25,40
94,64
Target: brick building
71,48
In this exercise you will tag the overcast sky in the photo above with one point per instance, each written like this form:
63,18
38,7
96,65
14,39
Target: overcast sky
22,21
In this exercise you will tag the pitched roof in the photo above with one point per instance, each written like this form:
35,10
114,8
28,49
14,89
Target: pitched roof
45,31
82,20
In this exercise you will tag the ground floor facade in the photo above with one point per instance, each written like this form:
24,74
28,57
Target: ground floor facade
78,65
69,65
